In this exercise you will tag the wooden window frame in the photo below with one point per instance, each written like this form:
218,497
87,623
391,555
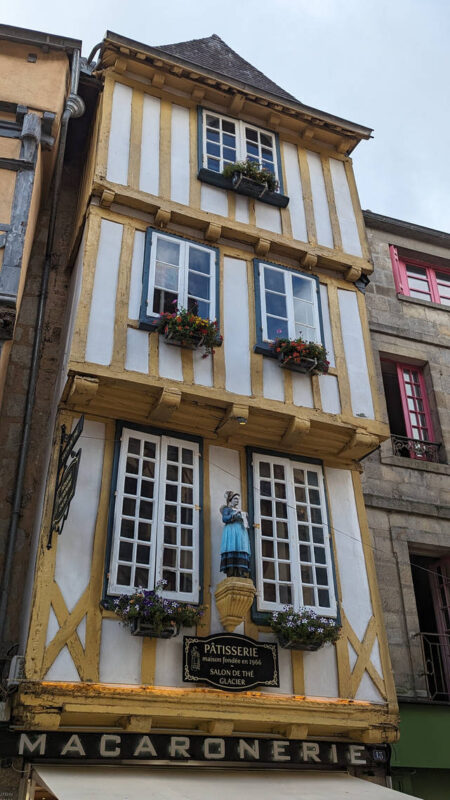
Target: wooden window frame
263,606
148,318
423,397
162,441
400,270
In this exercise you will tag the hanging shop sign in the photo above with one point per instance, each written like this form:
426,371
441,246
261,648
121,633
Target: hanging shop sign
66,478
230,661
109,747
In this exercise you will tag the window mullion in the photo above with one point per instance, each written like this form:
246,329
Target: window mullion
240,141
184,275
160,497
290,304
432,282
296,577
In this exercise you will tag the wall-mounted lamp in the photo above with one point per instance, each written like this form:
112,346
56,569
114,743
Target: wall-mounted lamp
241,420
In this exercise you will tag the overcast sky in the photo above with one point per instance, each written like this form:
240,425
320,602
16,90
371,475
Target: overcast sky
381,63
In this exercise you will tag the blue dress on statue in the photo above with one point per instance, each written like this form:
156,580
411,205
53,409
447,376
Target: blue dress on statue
235,549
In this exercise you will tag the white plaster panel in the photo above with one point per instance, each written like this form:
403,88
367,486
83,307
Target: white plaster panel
329,394
294,190
242,214
120,654
368,691
351,564
326,322
224,475
214,200
344,208
63,668
320,670
170,365
179,169
355,355
119,137
137,351
267,217
100,334
74,547
203,368
137,266
302,390
352,655
169,657
375,657
81,630
236,332
285,668
273,380
52,627
149,175
71,310
320,202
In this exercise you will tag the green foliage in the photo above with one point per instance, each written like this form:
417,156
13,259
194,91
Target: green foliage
294,350
187,328
251,169
158,612
304,627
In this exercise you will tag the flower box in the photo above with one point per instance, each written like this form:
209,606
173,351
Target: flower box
216,179
305,365
189,344
288,644
244,185
139,627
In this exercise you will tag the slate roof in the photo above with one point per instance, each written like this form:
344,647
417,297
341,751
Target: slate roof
214,54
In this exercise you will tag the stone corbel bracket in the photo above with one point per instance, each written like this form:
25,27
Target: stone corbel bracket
235,419
234,597
360,444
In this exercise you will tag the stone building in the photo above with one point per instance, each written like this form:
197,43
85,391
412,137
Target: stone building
407,488
149,436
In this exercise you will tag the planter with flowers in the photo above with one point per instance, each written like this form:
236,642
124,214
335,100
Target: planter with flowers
185,329
301,356
247,177
147,613
303,629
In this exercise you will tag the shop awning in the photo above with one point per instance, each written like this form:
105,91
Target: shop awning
123,783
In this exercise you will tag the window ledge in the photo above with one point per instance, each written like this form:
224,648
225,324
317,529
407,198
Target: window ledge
418,302
414,463
215,179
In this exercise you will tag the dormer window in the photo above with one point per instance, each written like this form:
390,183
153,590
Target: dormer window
226,141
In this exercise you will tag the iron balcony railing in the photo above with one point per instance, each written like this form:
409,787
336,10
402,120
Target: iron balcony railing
436,659
414,448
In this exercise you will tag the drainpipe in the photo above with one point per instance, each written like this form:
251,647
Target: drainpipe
74,108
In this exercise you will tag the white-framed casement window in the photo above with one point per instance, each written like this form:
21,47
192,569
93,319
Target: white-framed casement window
156,518
180,274
289,304
292,543
227,140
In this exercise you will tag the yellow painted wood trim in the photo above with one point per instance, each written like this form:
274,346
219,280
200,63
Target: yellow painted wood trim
298,672
105,127
122,295
67,633
334,219
339,353
94,611
187,367
369,355
194,183
357,209
252,214
288,386
45,565
93,225
286,226
153,355
134,159
374,592
307,196
148,661
165,148
231,199
317,400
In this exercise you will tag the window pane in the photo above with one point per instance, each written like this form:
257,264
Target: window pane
302,288
212,136
251,135
198,285
199,260
277,328
213,164
212,122
166,277
212,149
304,313
228,127
168,250
274,279
266,140
276,304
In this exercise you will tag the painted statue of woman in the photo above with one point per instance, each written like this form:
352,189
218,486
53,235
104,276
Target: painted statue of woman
235,549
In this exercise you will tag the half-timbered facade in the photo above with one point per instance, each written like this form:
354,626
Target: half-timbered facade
167,432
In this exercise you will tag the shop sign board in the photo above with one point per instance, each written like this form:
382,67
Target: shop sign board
230,661
98,747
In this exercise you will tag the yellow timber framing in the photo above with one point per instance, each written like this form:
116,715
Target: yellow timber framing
51,705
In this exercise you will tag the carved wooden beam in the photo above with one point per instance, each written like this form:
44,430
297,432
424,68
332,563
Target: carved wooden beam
237,103
162,217
353,274
308,261
83,390
168,402
213,232
292,731
120,64
262,247
158,80
220,727
136,723
107,198
235,416
359,445
296,430
198,93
